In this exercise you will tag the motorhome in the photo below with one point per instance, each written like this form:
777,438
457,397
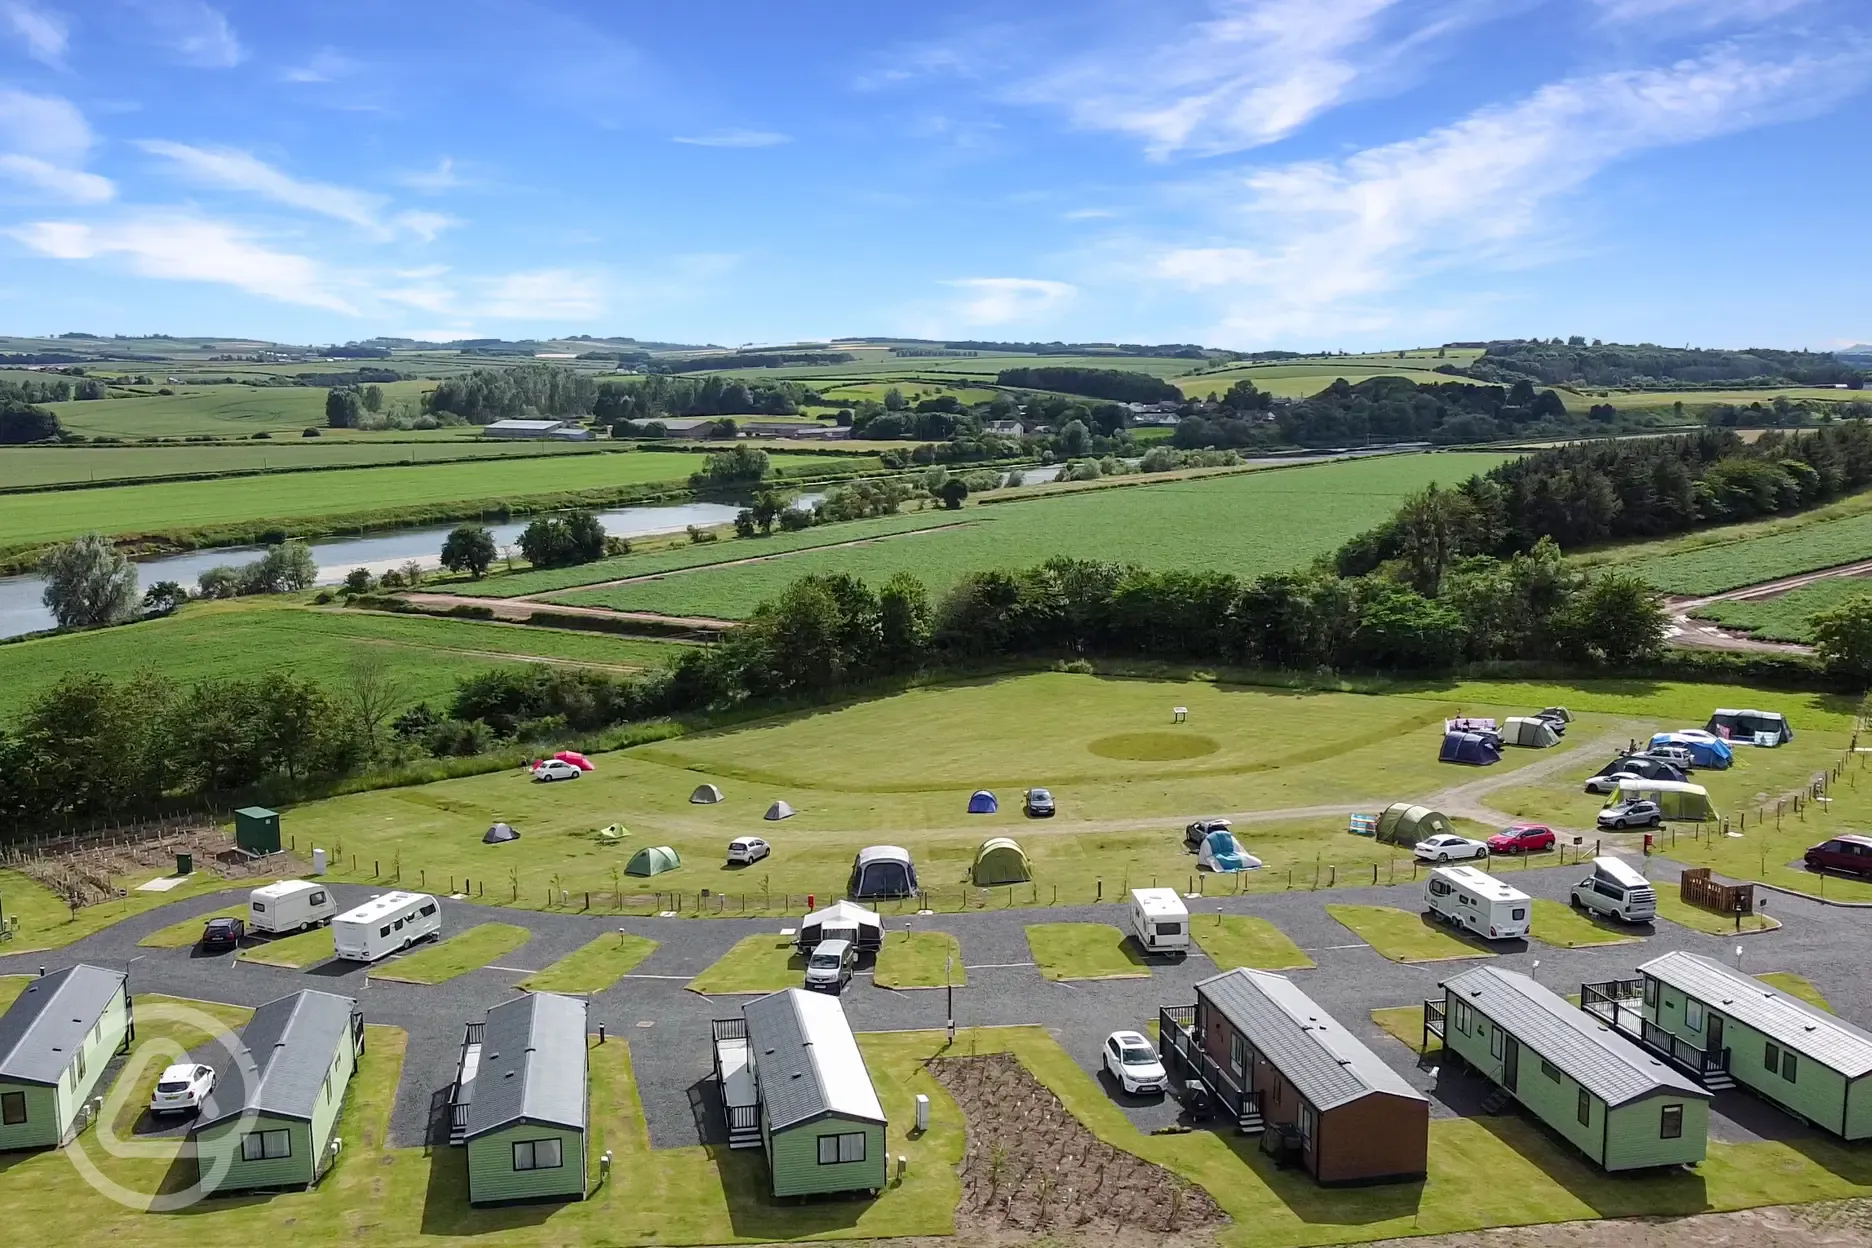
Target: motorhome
1478,902
1618,889
289,906
383,925
1160,921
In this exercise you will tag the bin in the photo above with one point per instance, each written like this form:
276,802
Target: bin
185,864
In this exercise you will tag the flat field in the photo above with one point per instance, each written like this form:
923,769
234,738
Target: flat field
64,465
1713,561
1785,617
225,411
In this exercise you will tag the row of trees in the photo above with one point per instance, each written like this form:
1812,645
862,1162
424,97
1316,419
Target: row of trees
1116,384
1557,363
655,396
490,394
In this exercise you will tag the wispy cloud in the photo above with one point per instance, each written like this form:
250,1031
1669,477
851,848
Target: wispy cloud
426,225
44,143
236,170
441,178
45,32
1006,300
733,138
197,33
543,295
1088,214
325,65
1695,13
73,185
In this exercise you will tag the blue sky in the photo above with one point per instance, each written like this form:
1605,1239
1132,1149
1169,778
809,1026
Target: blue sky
1243,173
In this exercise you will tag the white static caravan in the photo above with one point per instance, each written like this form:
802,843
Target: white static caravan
289,906
1160,921
383,925
1478,902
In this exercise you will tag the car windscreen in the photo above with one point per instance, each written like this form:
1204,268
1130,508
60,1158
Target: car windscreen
823,961
1138,1056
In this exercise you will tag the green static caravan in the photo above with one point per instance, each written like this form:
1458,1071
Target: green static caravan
1802,1058
56,1042
272,1120
521,1104
820,1119
1622,1107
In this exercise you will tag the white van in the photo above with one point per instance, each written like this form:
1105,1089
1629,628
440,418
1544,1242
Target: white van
1479,902
1160,921
289,906
385,924
1618,889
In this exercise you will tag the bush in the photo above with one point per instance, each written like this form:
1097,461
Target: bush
308,432
564,540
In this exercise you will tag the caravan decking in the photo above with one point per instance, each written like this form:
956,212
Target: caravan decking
734,1076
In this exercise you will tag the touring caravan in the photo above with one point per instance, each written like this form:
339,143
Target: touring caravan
1478,902
1618,889
289,906
1160,921
383,925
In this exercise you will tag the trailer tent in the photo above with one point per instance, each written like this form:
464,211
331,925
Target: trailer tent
1675,799
842,921
983,803
1533,733
499,834
653,860
1220,851
705,795
1746,726
883,871
56,1043
521,1102
1000,861
1405,824
1707,750
778,811
1469,747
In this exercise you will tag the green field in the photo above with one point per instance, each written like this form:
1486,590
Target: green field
761,963
302,949
63,465
1233,940
225,411
920,960
1785,617
1713,561
1403,936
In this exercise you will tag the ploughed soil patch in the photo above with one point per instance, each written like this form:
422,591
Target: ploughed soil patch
1032,1166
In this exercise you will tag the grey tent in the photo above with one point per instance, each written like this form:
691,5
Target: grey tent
842,921
778,811
499,834
705,795
1405,824
1534,733
883,871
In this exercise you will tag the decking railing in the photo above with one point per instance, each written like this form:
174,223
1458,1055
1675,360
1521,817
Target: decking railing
1613,1002
1184,1057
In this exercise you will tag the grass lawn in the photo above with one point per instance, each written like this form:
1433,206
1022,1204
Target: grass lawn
1085,951
1556,923
1405,937
1406,1023
226,411
457,955
1796,986
71,464
45,922
1672,907
1233,940
298,950
920,960
766,962
183,935
595,967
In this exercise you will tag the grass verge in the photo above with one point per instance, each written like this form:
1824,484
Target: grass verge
595,967
1405,937
1405,1022
301,949
1558,924
1233,940
1797,986
764,963
919,960
458,955
1084,951
1671,906
188,931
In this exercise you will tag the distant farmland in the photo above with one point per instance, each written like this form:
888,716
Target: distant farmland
1785,617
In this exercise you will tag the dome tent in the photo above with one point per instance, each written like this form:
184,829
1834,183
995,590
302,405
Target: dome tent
499,834
705,795
653,860
1000,861
1470,747
883,871
778,811
983,803
1405,824
1221,852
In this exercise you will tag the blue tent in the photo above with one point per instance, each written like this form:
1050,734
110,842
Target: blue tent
1469,747
1706,751
1222,852
983,803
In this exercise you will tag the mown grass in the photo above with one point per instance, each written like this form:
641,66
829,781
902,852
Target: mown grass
919,960
188,932
45,922
761,963
301,949
1405,937
457,955
1670,906
1786,617
1233,940
1560,925
71,465
1085,951
1797,986
594,967
1405,1023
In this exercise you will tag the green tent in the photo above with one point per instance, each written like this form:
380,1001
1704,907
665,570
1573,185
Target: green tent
653,860
1000,861
1405,824
1675,798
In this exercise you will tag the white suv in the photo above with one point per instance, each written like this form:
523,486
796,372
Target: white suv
1133,1063
182,1089
748,849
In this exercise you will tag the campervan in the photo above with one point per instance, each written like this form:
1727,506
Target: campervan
385,924
1479,902
1160,921
1618,889
289,906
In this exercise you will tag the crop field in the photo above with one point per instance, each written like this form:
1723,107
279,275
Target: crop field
1246,523
227,411
67,465
1750,554
1785,617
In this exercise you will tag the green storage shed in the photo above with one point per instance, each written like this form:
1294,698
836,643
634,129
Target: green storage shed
56,1043
257,830
820,1119
522,1102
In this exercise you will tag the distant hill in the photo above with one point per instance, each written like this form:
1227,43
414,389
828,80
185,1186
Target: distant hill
1648,366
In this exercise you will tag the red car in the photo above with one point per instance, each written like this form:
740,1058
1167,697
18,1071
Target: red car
1522,838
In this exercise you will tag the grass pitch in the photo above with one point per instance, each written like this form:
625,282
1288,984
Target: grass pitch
595,967
1405,937
1085,951
457,955
920,960
1233,940
761,963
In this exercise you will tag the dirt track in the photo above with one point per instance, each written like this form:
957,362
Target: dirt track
1685,631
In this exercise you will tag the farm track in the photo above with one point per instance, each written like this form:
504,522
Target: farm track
518,611
1702,635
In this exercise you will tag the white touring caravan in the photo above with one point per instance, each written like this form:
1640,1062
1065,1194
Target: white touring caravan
1160,921
1478,901
1618,889
289,906
385,924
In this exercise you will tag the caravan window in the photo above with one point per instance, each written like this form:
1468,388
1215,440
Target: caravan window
1238,1055
839,1149
384,930
1169,929
266,1145
259,907
1650,992
1670,1123
1693,1015
318,898
1495,1043
1460,1015
427,910
1306,1126
1585,1107
1771,1057
399,925
1788,1068
1520,912
1439,888
12,1108
538,1155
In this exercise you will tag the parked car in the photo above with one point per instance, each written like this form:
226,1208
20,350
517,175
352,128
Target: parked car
1678,756
182,1089
1635,814
1850,853
1522,838
748,849
1038,804
1449,847
222,934
1609,783
556,769
1133,1063
1194,834
829,968
1554,721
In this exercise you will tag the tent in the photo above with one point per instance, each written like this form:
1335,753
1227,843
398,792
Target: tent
499,834
705,795
1469,747
1751,727
1405,824
1000,861
577,759
1220,851
983,803
613,832
1706,750
883,871
1535,733
1557,712
778,811
1643,765
653,860
842,921
1675,799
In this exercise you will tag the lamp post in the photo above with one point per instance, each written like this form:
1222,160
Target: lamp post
949,991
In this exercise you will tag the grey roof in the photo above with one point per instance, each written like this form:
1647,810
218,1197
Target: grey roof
532,1065
806,1060
1600,1060
1325,1063
291,1041
525,426
1789,1021
42,1031
882,853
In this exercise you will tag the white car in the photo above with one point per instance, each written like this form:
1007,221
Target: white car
1132,1061
556,769
1448,848
1607,784
748,849
182,1089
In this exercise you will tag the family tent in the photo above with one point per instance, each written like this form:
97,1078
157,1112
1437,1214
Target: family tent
1534,733
1707,750
499,834
1000,861
577,759
1405,824
983,803
842,921
1675,799
778,811
883,871
1221,852
1469,747
1750,727
705,795
653,860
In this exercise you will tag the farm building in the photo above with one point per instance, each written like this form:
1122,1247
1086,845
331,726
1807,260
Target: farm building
520,1103
1283,1066
1676,799
272,1125
551,430
56,1042
793,1082
1622,1107
1405,824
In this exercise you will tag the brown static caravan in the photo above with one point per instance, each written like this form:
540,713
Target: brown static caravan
1281,1064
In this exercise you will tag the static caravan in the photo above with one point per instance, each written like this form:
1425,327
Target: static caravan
289,906
274,1124
383,925
821,1122
1807,1061
1675,799
1160,921
1478,902
1618,889
1621,1106
522,1103
56,1042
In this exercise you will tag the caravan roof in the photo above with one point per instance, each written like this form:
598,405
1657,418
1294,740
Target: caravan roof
290,1041
532,1065
377,907
808,1060
1482,882
284,888
1793,1023
1159,902
51,1018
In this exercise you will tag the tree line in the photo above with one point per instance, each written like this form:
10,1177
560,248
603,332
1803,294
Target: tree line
1117,384
651,398
490,394
1577,362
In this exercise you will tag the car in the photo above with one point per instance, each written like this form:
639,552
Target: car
1194,834
1522,838
182,1089
1851,854
1130,1059
556,769
1609,783
830,965
1553,721
1631,815
1038,804
748,849
1447,847
223,933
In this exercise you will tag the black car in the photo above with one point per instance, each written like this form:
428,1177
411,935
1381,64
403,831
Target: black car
1038,804
223,934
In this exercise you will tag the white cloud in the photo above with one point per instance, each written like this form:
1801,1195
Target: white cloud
73,185
542,295
1695,12
441,178
197,33
1003,300
44,142
45,32
325,65
1088,214
733,138
242,171
426,225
